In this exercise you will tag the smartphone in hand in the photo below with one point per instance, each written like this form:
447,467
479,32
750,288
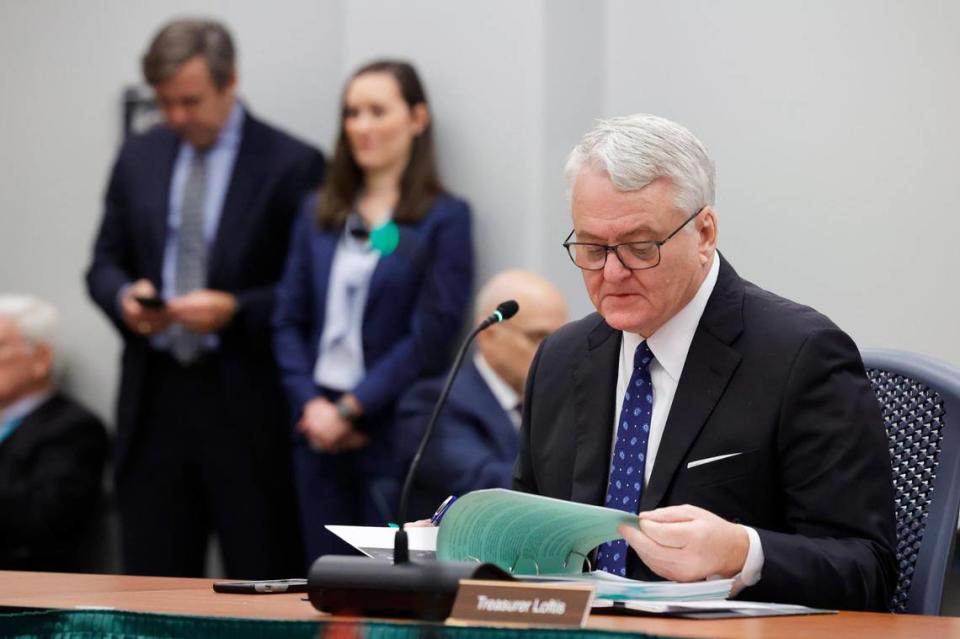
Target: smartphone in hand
269,586
152,302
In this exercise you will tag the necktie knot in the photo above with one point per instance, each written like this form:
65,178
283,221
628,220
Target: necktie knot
642,357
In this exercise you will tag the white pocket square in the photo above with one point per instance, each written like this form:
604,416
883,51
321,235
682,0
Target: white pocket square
708,460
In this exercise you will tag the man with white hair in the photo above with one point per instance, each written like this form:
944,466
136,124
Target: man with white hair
738,425
52,450
475,443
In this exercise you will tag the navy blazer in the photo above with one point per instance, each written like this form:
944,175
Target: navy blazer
271,174
769,379
415,307
474,444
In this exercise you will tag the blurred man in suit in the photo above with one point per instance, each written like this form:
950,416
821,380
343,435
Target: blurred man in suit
475,443
193,239
740,426
52,450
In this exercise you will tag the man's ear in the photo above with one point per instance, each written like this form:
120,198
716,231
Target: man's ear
42,366
707,233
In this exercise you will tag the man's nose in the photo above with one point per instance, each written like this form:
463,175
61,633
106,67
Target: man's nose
613,269
176,116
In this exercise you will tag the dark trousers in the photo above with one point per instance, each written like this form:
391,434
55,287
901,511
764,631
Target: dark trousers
192,471
339,489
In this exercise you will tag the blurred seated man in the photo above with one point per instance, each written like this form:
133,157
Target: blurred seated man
475,443
52,450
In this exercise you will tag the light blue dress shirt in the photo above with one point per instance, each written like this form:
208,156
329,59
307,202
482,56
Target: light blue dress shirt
220,160
339,364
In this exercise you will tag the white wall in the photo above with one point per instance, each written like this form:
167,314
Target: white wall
835,130
480,62
833,125
63,66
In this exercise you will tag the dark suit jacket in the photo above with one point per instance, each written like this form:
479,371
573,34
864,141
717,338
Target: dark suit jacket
51,471
765,377
474,444
271,174
415,308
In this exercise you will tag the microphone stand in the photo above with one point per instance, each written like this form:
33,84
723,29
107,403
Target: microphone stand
423,589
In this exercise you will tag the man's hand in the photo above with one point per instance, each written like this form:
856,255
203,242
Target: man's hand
203,311
686,543
139,318
326,430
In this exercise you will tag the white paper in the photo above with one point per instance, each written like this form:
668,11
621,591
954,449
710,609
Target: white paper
377,541
662,607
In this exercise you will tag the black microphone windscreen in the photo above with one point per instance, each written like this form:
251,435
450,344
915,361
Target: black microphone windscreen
508,309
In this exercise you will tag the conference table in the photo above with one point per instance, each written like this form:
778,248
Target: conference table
44,604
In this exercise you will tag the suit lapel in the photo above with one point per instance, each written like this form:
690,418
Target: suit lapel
710,364
406,245
240,213
498,422
324,247
594,377
31,426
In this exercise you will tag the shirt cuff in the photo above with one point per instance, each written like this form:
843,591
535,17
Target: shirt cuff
752,566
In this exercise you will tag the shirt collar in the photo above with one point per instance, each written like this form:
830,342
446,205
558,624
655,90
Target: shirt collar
671,342
24,406
505,395
229,137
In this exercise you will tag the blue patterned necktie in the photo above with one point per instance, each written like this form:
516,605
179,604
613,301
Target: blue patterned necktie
629,456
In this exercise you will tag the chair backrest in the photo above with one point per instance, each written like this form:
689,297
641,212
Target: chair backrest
920,401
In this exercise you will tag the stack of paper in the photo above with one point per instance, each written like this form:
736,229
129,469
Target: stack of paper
620,588
711,609
614,588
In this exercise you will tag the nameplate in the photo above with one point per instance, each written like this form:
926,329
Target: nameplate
528,604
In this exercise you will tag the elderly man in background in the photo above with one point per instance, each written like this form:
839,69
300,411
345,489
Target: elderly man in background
740,426
193,239
52,450
475,443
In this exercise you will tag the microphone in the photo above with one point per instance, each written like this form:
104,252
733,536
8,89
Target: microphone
504,311
421,589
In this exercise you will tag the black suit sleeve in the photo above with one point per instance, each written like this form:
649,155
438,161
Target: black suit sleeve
836,548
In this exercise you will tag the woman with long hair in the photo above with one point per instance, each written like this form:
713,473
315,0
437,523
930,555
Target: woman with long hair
374,294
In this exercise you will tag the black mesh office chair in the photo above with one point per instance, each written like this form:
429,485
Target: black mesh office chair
920,400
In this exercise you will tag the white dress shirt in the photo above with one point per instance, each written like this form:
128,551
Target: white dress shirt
504,394
669,346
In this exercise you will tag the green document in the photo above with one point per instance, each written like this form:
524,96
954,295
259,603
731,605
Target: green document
526,534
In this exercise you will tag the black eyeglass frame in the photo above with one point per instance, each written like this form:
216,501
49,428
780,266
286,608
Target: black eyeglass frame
612,248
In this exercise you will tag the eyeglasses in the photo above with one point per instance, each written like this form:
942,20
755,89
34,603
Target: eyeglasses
635,256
